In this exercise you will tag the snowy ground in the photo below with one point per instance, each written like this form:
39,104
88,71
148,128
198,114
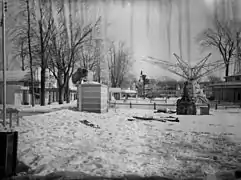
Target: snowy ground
57,141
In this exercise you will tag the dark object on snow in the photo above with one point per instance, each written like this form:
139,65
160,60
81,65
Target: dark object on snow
79,75
186,105
237,174
172,119
130,119
8,154
149,119
161,119
143,118
172,111
87,123
162,110
165,110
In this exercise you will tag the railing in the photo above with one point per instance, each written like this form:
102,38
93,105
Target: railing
140,105
225,105
154,105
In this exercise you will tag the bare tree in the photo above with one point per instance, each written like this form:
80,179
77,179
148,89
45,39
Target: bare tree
20,51
89,56
128,80
36,31
221,38
62,52
119,63
21,36
73,25
44,31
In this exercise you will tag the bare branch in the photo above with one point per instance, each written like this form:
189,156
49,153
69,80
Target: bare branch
220,37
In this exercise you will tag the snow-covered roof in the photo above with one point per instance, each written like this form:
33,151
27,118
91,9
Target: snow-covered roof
128,91
90,82
115,90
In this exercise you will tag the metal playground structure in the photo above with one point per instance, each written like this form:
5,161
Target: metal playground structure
191,74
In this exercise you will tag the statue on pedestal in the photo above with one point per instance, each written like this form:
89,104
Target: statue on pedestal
79,75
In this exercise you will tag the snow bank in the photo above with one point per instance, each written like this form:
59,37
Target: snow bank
58,141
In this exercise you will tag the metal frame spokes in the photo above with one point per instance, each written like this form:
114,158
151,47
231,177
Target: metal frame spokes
185,70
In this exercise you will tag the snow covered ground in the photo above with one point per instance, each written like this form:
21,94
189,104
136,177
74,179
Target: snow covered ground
58,141
46,108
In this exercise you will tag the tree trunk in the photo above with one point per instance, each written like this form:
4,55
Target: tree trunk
22,64
67,92
61,94
23,57
30,57
43,64
42,84
226,70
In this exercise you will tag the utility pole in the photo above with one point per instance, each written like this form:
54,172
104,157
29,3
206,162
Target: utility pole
30,57
235,11
237,62
4,9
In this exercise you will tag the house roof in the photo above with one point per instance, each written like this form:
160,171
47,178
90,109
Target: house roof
15,76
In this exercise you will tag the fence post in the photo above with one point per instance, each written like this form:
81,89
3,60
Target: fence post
154,106
10,119
130,105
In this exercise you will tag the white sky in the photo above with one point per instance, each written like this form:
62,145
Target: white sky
155,42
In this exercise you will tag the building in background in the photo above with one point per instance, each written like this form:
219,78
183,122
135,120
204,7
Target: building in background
229,91
19,87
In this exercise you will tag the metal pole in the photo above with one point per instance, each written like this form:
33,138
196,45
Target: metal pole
237,53
4,63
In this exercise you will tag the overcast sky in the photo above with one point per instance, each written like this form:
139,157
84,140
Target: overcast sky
153,41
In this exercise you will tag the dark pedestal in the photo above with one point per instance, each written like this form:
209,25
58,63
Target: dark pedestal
186,107
8,154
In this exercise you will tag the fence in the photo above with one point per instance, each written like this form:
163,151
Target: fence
154,106
140,105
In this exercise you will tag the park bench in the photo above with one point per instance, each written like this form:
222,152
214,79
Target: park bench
10,112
